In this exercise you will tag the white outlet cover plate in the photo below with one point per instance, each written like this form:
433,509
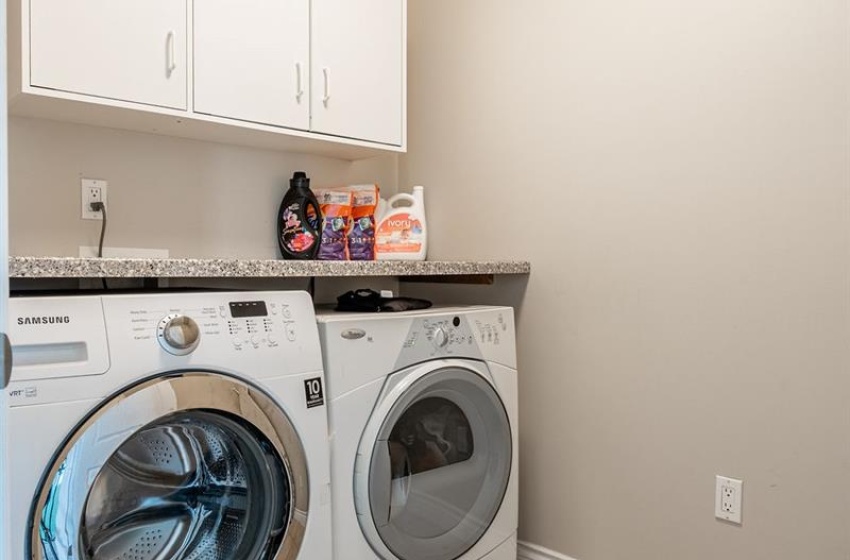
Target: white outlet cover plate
86,213
728,497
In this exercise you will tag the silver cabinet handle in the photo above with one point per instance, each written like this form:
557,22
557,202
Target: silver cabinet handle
7,361
327,96
299,90
170,64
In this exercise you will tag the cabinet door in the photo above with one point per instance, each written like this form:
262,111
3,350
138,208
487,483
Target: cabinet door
252,60
358,57
130,50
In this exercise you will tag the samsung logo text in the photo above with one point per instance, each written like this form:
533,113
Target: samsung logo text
46,320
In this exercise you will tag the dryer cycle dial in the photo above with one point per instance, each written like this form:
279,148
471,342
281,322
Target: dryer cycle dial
441,338
178,334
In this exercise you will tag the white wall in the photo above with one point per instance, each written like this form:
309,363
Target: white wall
196,199
678,173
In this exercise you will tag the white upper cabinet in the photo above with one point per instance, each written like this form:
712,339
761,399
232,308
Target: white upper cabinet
317,76
127,50
252,60
358,58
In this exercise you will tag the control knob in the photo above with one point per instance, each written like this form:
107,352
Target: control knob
440,337
178,334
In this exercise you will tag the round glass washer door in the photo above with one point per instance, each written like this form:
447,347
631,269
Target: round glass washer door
439,455
197,466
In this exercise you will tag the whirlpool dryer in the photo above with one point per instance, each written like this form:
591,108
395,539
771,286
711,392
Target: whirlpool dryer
423,418
168,427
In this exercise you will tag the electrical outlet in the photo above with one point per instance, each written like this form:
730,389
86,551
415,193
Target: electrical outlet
728,497
92,190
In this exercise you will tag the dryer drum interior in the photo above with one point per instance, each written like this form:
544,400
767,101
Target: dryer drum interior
213,483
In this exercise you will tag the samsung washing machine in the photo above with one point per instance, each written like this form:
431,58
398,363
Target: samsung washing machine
168,427
423,416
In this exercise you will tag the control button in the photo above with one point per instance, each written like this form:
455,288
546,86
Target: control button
178,334
272,340
255,341
440,337
273,307
287,314
221,311
237,343
290,332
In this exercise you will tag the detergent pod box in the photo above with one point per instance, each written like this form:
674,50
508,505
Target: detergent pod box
361,234
336,220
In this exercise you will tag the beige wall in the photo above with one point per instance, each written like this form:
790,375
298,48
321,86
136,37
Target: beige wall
678,175
196,199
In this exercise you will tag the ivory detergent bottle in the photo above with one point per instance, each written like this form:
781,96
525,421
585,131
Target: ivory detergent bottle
401,234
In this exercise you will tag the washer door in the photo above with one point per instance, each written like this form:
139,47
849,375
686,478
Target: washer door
197,466
439,459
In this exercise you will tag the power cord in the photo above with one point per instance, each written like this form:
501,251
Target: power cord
100,207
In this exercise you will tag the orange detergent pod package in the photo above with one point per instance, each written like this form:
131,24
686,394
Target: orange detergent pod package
336,221
361,234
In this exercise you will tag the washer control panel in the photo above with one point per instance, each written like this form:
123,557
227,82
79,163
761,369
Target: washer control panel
253,324
243,325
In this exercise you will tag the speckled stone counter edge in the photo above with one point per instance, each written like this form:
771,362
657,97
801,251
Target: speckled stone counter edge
69,267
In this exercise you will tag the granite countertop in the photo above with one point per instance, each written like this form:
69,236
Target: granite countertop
70,267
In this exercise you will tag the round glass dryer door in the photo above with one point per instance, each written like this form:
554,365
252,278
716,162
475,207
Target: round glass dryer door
194,467
439,466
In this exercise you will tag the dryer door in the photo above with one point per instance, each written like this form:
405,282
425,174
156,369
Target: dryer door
434,462
195,466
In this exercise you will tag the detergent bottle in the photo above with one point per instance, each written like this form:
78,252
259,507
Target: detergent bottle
401,234
298,220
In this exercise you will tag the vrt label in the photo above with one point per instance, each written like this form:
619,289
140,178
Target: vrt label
28,392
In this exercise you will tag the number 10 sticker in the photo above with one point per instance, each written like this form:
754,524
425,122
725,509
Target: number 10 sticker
313,389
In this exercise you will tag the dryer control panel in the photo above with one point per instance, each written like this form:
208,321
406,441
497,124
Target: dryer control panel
468,334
